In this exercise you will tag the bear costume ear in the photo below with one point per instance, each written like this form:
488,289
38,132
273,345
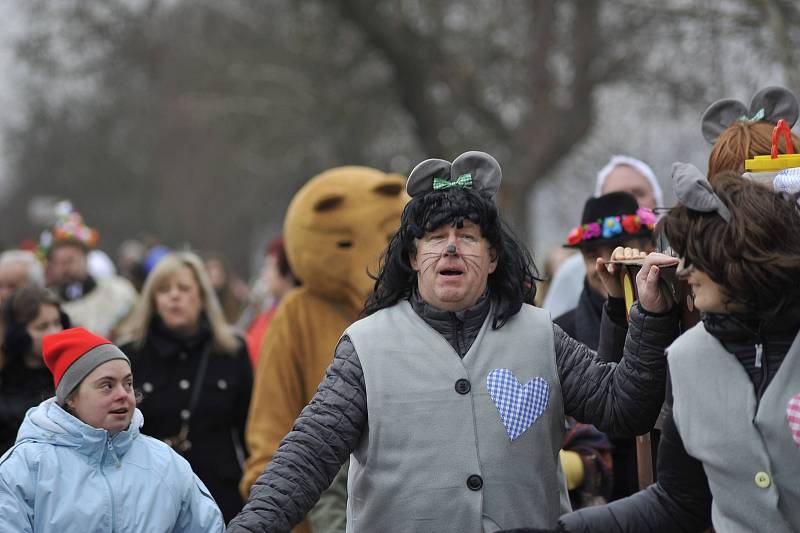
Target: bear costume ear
719,116
775,103
471,170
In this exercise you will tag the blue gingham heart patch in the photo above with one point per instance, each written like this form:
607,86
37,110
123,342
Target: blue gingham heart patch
519,405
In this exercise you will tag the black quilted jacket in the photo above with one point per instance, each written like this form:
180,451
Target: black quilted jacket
623,398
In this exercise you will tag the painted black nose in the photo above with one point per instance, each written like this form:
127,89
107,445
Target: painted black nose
451,249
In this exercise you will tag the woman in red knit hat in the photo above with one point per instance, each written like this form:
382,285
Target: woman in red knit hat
80,464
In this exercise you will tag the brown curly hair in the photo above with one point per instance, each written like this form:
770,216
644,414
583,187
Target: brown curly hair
742,141
755,257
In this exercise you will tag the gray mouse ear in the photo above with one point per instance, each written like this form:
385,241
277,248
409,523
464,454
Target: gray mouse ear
694,191
421,178
482,168
775,103
719,116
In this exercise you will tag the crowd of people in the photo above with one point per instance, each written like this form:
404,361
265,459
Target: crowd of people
391,370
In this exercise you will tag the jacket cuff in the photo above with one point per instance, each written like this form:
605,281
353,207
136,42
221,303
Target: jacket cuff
671,311
615,309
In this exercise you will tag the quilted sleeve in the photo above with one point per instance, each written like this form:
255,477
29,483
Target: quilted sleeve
625,398
309,457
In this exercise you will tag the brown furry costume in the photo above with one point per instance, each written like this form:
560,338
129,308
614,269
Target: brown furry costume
336,227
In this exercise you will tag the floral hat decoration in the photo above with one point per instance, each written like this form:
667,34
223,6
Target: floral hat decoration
770,104
68,227
471,170
610,220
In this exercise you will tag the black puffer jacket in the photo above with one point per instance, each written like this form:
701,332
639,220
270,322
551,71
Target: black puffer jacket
624,398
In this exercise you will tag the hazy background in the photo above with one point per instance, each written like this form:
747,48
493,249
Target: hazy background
195,121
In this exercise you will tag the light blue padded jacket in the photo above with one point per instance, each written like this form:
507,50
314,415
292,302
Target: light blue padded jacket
63,476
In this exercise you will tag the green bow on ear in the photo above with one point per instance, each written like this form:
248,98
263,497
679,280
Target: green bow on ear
755,118
464,181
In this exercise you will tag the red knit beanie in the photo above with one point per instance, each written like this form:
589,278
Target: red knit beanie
72,354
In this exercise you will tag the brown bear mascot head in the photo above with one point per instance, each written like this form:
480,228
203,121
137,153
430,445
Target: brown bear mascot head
336,227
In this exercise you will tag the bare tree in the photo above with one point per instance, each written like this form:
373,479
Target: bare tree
197,120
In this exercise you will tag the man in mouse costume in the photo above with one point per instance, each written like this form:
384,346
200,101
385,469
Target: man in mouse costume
335,229
451,393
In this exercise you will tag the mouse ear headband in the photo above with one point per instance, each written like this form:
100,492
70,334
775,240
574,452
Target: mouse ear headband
769,104
694,191
471,170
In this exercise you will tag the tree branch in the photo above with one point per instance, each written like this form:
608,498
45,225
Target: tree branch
413,76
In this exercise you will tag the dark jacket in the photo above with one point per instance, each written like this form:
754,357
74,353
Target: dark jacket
20,389
583,324
165,369
681,499
330,426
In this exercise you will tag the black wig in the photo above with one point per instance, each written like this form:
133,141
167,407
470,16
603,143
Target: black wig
511,284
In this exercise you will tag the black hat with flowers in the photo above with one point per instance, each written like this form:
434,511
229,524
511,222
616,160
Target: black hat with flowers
611,220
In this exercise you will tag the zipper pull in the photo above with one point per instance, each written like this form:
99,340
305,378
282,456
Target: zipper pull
759,354
118,464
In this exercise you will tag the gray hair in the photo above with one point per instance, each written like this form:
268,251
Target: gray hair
28,259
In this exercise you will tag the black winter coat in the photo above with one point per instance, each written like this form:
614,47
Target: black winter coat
625,398
165,369
20,389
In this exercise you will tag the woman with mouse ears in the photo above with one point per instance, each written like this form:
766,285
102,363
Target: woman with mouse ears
729,455
80,463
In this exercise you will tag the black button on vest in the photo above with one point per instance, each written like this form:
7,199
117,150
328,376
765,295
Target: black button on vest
474,482
463,386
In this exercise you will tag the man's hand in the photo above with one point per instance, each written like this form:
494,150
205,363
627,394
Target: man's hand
609,273
654,297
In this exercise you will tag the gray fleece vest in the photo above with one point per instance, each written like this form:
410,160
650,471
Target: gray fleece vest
438,455
748,450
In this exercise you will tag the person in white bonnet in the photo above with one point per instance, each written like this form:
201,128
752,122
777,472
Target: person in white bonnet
621,173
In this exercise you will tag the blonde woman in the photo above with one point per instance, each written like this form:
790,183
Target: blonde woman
194,373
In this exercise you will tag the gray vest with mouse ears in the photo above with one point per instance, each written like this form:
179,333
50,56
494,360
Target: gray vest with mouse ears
750,448
471,170
769,104
452,444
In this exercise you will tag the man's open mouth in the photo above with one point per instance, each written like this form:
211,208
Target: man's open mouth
451,272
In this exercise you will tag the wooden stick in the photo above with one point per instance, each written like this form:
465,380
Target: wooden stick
644,460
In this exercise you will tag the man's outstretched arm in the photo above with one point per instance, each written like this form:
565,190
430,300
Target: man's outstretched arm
309,457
